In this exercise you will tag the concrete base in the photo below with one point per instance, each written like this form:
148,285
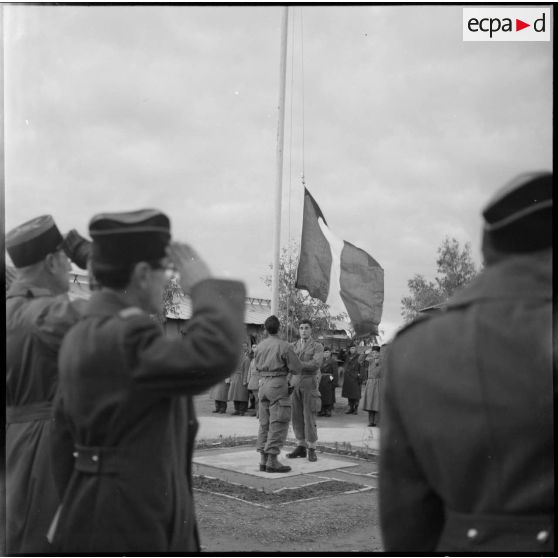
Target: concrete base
248,462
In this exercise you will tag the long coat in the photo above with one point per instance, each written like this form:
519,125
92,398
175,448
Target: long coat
237,388
467,438
220,391
351,378
253,376
125,408
36,322
328,381
372,389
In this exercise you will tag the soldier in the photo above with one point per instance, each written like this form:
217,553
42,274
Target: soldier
305,396
274,359
467,447
125,423
38,315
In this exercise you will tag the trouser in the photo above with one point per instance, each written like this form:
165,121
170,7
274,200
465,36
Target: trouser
251,400
353,404
374,417
220,406
303,411
274,413
241,406
254,393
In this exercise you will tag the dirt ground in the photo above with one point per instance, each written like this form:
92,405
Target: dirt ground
337,524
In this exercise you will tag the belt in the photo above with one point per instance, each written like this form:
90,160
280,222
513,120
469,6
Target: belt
497,533
273,374
27,413
96,460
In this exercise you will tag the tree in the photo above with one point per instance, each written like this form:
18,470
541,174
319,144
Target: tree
455,270
294,304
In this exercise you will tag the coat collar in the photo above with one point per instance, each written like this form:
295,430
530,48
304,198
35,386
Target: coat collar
27,289
106,303
517,276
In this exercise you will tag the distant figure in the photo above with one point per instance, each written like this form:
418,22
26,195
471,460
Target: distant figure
275,359
238,393
305,396
220,394
253,379
125,423
38,315
467,438
372,390
352,380
328,383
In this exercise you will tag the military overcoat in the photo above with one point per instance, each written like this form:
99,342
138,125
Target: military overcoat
352,379
36,322
125,422
467,437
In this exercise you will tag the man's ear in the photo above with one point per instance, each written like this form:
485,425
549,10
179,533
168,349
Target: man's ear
141,275
50,263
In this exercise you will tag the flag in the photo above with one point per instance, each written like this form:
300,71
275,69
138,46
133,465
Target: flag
338,273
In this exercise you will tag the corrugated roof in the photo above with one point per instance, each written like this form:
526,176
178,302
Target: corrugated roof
257,309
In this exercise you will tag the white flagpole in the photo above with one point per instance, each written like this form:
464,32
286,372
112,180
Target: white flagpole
279,172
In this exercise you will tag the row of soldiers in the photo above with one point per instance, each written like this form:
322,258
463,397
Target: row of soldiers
100,420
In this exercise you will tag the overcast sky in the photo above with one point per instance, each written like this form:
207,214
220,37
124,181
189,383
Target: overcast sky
408,130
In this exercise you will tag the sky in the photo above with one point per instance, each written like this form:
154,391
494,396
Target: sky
402,131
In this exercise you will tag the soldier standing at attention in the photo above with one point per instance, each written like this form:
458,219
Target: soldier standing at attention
38,315
467,437
306,397
125,423
274,359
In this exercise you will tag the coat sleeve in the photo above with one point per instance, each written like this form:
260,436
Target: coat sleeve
313,365
209,351
54,319
411,513
294,364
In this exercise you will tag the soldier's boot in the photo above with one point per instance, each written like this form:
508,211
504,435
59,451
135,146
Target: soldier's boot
312,454
263,460
299,451
273,465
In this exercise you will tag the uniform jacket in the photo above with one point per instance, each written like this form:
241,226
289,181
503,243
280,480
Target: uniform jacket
466,455
328,381
352,379
125,408
36,322
276,356
237,390
311,354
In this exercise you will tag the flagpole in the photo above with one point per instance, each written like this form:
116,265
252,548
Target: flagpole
279,159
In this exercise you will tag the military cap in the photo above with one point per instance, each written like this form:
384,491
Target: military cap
519,217
121,239
30,242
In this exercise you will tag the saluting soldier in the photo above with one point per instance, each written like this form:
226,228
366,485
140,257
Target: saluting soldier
125,421
38,315
305,397
467,438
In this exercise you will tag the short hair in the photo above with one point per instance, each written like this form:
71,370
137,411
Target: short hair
326,349
113,278
305,321
376,348
272,324
352,345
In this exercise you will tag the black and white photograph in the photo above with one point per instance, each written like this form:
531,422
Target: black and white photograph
278,278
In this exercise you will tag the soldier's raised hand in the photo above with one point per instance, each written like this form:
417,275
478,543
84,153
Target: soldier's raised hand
190,266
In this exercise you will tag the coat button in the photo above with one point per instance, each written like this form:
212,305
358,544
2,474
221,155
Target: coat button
75,454
542,536
191,422
95,457
472,534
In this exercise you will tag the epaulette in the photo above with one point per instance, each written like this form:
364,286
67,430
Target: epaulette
130,312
